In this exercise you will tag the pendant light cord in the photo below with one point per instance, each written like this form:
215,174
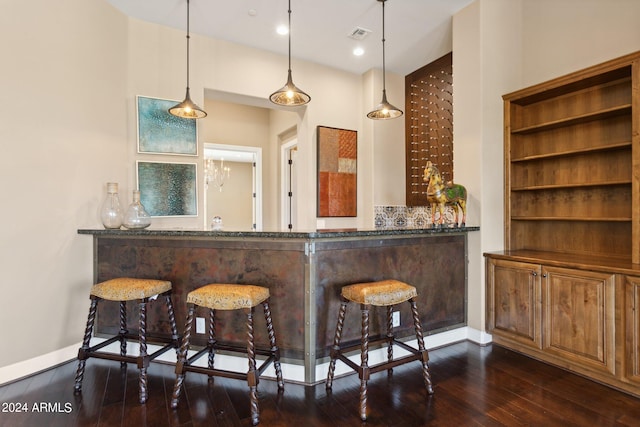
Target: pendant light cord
384,78
289,35
188,37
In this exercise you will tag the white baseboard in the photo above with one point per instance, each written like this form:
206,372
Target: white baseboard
37,364
291,372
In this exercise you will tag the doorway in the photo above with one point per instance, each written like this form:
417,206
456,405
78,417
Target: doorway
236,197
289,152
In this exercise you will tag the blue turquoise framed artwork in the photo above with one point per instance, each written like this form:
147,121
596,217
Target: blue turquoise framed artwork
162,133
168,189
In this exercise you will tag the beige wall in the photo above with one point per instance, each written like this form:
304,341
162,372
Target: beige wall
564,36
63,130
486,41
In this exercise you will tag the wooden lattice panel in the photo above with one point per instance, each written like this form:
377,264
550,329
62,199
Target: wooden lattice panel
429,125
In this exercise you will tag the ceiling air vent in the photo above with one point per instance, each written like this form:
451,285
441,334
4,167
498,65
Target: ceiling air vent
359,33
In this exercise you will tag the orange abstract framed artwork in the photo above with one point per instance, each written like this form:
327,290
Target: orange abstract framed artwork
337,172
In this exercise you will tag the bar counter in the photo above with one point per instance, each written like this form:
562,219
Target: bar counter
304,272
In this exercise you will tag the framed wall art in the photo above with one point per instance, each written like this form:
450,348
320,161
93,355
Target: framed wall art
337,172
162,133
168,189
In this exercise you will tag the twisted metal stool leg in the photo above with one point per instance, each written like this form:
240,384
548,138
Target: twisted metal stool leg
82,356
272,342
182,357
172,322
143,358
390,336
252,376
364,365
421,347
212,339
336,343
123,331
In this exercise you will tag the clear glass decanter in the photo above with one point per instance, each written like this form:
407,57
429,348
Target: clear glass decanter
136,216
111,213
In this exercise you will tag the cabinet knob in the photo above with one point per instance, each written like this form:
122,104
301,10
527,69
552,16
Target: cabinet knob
534,274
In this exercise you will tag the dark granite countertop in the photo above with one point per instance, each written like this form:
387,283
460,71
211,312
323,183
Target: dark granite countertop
316,234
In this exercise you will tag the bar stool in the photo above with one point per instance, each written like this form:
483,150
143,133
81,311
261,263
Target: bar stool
384,293
217,296
122,290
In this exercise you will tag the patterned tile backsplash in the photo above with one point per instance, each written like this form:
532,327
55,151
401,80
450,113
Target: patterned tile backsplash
390,217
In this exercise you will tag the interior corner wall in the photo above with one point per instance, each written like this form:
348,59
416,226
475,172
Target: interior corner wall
486,57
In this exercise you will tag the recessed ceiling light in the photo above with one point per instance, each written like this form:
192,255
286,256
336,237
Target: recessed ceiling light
283,30
358,51
252,12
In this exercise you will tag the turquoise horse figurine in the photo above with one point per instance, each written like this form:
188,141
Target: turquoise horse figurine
440,194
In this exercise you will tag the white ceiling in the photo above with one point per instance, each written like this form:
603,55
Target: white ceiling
417,31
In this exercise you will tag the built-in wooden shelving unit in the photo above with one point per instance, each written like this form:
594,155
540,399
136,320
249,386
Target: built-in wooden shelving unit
567,287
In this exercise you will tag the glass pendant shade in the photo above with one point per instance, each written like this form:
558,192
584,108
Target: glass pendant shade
289,94
384,110
187,109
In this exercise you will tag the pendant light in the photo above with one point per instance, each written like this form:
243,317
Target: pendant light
187,109
289,95
384,110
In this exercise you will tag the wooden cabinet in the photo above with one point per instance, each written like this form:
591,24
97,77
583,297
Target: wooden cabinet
582,320
566,289
514,296
579,315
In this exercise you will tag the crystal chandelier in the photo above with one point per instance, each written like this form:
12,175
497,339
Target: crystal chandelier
216,174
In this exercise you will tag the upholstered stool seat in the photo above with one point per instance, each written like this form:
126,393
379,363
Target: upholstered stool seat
126,289
122,290
385,293
228,297
219,296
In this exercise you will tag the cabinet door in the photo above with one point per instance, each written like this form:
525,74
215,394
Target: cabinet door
632,327
579,311
513,301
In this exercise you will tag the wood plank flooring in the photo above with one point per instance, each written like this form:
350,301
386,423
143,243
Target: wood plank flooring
474,386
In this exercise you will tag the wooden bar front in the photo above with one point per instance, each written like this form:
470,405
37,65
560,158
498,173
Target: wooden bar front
304,273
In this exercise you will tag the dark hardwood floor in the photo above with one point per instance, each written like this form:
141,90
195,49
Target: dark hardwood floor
474,386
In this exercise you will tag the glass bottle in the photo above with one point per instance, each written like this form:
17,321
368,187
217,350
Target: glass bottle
216,223
111,213
136,216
